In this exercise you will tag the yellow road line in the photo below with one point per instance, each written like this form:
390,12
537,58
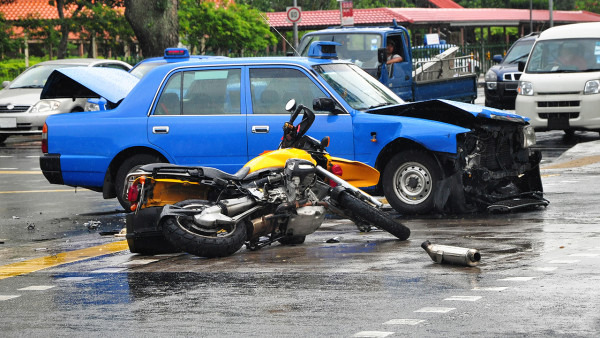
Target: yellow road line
36,264
21,172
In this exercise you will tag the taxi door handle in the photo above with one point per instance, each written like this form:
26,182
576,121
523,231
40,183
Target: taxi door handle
160,130
260,129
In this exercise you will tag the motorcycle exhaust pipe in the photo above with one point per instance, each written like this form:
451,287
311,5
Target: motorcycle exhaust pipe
452,254
262,226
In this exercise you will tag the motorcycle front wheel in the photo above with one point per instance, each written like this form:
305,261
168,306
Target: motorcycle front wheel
365,212
187,235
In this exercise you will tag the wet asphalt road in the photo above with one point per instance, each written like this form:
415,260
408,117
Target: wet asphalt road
539,272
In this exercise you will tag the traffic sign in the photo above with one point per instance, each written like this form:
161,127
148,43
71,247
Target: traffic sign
294,14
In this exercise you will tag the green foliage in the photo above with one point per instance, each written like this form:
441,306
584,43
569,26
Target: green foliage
11,68
222,31
519,4
588,5
7,42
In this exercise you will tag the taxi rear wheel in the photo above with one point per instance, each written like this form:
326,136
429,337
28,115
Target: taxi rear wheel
129,165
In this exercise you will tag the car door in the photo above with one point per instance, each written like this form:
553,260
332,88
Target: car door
271,87
400,73
198,118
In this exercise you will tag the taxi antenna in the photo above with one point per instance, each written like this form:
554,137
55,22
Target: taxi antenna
283,37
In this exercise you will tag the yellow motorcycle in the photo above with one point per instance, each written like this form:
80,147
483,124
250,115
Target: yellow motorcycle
279,196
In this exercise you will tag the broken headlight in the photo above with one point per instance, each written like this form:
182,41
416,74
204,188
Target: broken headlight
528,136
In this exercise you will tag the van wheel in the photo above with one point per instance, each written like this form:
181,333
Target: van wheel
129,165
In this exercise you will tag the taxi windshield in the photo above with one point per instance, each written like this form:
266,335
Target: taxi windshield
355,86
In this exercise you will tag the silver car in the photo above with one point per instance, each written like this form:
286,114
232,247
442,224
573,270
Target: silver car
22,112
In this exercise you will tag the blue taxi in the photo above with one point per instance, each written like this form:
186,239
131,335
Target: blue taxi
434,155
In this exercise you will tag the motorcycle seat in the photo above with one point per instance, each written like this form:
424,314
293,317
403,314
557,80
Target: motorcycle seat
169,169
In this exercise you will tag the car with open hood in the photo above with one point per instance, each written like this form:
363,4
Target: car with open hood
434,156
22,112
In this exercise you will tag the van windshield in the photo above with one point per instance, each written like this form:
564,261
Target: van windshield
359,89
565,56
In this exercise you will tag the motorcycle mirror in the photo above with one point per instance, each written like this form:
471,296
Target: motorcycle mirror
325,142
290,105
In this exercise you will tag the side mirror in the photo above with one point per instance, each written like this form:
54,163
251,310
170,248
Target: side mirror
290,105
497,58
5,84
325,142
381,55
324,104
521,66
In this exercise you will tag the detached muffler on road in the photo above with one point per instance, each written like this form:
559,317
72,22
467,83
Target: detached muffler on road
452,254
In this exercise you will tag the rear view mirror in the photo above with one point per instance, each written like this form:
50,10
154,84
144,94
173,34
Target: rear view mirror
381,55
5,84
521,66
324,104
290,105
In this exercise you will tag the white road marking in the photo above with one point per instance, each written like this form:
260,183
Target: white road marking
109,270
73,279
546,268
9,168
405,322
7,297
494,288
37,288
517,279
436,309
564,261
140,261
465,298
585,255
374,334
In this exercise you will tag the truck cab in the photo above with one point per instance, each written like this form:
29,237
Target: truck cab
446,77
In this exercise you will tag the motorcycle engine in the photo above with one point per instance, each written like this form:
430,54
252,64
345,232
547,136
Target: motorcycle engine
299,176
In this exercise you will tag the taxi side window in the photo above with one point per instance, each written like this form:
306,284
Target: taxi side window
203,92
272,88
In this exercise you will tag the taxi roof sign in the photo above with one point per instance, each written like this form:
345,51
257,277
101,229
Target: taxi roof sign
323,50
171,53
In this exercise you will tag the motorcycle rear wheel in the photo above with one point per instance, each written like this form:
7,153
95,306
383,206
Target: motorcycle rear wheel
365,212
201,241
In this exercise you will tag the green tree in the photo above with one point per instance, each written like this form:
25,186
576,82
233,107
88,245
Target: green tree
36,28
223,31
155,24
7,42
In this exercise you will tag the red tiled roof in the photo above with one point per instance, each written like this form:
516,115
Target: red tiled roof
21,8
423,16
445,4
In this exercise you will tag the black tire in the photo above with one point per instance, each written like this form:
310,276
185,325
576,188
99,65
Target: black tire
200,241
3,138
373,216
409,182
292,240
129,165
147,243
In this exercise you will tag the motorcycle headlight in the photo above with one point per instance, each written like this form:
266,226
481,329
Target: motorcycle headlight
45,106
525,88
528,136
592,87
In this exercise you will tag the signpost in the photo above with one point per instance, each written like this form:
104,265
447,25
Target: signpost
347,15
293,16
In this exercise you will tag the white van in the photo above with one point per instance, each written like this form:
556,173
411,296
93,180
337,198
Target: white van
560,85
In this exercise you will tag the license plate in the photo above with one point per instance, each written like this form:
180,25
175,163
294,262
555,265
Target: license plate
8,122
558,122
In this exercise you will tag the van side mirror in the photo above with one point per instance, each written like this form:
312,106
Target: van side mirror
5,84
521,66
381,55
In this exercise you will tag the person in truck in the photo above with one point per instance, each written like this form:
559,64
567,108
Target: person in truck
392,56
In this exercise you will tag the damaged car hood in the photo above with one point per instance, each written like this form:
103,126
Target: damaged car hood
452,112
88,82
